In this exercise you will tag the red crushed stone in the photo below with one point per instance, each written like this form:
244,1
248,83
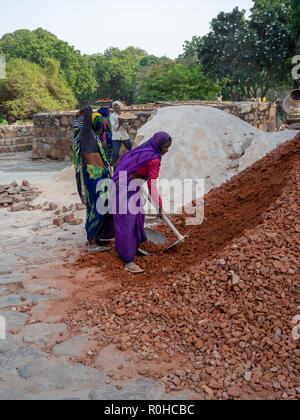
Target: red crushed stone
224,300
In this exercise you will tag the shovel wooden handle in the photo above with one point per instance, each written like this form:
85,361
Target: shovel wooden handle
164,217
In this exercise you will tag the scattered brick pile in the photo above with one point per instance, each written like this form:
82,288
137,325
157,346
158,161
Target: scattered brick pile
225,300
18,197
67,215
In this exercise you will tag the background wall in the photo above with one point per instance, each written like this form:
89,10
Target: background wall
16,138
53,133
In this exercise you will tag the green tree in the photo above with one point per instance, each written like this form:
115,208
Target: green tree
29,89
190,48
273,42
39,46
226,54
266,4
174,81
116,72
295,26
248,57
149,60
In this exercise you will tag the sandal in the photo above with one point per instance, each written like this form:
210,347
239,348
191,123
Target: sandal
96,248
133,268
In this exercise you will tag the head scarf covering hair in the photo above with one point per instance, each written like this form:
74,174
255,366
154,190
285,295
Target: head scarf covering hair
104,112
118,103
87,134
86,130
138,157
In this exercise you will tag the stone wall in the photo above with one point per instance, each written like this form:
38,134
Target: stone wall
53,133
53,136
16,138
259,114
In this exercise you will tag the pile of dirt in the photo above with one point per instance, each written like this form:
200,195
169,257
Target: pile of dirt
225,300
209,144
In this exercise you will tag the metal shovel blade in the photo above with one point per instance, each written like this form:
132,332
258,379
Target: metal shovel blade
155,237
179,241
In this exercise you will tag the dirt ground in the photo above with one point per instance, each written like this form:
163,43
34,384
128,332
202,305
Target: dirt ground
215,314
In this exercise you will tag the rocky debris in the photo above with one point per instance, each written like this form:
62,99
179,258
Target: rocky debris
52,206
121,312
76,222
80,206
26,183
58,221
64,209
248,376
62,215
18,197
250,225
70,219
19,206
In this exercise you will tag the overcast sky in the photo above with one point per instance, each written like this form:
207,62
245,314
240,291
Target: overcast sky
158,26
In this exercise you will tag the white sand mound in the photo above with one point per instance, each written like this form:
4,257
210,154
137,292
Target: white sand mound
210,143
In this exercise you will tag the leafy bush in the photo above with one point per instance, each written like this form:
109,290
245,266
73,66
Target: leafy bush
176,80
40,46
28,89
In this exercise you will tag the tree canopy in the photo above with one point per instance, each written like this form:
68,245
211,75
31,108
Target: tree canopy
29,89
295,25
116,72
174,81
39,46
190,48
249,57
240,57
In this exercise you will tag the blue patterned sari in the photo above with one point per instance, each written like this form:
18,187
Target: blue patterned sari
92,188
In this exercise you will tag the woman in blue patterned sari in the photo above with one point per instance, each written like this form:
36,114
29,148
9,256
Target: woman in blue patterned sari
93,170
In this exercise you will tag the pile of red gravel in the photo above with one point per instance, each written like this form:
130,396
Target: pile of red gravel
225,299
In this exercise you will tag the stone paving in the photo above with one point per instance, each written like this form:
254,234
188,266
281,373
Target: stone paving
27,372
16,167
32,365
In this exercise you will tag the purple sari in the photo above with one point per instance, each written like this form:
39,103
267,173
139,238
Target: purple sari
129,227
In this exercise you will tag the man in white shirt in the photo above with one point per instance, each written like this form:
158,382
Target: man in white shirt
119,134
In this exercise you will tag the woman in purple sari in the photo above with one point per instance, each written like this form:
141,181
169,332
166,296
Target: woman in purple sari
140,163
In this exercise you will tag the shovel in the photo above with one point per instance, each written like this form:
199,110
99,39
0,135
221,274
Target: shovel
152,236
155,236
